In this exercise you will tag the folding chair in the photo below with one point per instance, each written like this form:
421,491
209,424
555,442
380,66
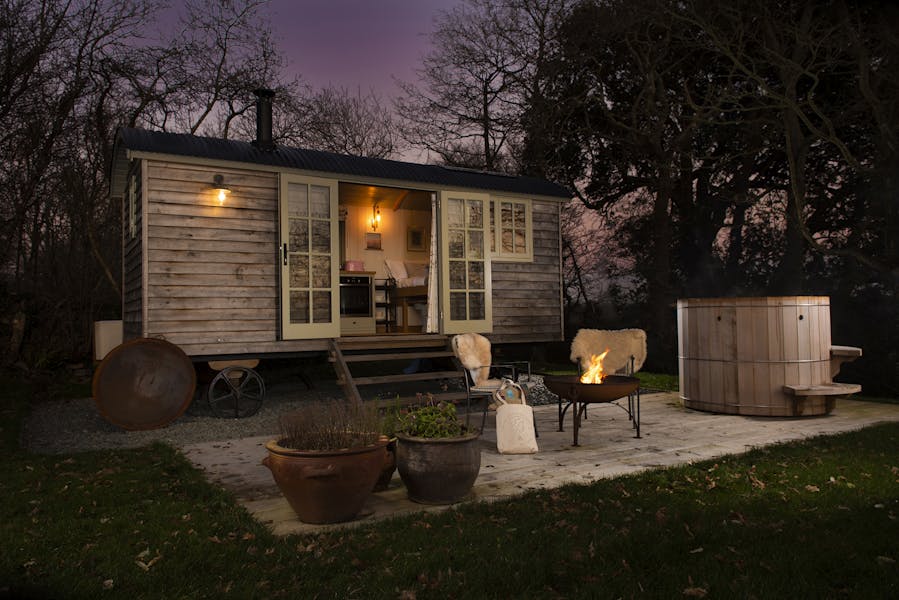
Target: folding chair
483,376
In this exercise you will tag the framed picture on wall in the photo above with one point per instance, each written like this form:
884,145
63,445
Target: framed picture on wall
372,241
416,239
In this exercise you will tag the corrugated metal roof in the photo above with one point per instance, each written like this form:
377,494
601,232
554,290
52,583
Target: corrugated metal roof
436,176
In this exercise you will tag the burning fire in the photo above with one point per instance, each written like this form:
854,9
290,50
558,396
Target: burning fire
594,373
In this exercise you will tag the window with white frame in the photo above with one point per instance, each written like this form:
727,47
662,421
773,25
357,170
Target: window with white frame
511,230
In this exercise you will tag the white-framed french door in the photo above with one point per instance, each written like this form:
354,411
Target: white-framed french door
465,275
308,224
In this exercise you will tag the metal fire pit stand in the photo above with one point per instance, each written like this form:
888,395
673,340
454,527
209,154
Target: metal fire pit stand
580,405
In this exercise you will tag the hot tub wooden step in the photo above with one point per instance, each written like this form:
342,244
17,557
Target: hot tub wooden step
824,389
840,355
818,399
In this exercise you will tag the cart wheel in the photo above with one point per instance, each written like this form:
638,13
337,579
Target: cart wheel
236,392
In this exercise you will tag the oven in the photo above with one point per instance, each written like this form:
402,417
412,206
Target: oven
356,296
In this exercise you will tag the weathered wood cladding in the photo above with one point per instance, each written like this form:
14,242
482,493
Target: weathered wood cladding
132,257
213,269
213,285
527,296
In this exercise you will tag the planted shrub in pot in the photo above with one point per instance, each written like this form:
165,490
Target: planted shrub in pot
437,457
327,459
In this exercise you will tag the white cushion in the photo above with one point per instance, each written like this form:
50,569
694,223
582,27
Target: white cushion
396,269
411,282
417,269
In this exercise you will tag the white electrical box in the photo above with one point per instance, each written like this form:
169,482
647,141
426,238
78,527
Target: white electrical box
107,335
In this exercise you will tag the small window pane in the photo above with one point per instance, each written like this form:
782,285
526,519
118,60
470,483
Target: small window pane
457,306
456,244
476,214
507,241
299,235
476,275
457,274
321,271
299,271
321,237
455,213
476,306
321,307
299,307
506,216
475,244
297,200
321,202
519,219
520,242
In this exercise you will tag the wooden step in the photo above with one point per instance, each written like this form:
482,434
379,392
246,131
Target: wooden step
411,355
846,351
823,389
393,342
407,377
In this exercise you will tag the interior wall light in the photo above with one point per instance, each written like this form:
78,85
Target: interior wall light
221,190
375,217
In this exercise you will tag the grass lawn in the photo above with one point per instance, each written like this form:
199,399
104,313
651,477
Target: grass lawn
816,519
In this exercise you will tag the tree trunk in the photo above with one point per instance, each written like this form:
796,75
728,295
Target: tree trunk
660,315
787,279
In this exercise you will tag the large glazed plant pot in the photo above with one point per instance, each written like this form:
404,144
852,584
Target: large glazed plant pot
326,486
438,470
388,469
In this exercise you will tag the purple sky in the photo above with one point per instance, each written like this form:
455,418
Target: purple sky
354,43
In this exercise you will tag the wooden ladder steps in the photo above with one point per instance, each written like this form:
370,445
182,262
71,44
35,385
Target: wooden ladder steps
382,356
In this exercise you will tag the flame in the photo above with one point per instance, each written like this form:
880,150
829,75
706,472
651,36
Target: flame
594,373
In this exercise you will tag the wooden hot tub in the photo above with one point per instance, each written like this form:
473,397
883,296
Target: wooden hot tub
767,356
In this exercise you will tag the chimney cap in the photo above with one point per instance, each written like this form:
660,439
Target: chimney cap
264,93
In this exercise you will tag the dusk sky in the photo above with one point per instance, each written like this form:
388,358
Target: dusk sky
354,43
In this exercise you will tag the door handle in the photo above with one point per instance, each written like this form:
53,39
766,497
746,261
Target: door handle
284,252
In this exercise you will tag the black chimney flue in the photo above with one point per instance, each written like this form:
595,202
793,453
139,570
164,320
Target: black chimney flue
264,139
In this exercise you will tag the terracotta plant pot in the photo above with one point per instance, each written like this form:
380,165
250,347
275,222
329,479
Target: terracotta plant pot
389,468
438,470
326,486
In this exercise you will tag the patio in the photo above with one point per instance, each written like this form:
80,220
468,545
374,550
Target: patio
672,435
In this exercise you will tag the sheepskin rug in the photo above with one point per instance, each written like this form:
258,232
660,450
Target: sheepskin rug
473,351
621,343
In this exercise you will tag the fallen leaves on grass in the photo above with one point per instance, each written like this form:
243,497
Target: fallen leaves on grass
146,566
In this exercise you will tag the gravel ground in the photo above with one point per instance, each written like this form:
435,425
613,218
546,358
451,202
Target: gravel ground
63,426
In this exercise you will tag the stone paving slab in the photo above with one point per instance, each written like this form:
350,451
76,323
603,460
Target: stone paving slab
671,435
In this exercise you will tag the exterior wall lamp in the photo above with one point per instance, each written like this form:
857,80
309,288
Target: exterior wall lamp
375,217
221,190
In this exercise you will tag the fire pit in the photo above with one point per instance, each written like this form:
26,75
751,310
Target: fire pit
613,387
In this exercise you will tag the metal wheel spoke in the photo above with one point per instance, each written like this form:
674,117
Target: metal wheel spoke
236,392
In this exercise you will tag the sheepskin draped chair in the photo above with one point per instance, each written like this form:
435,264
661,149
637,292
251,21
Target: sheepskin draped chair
473,351
624,345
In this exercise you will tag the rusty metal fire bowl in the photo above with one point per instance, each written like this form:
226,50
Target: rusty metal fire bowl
572,392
